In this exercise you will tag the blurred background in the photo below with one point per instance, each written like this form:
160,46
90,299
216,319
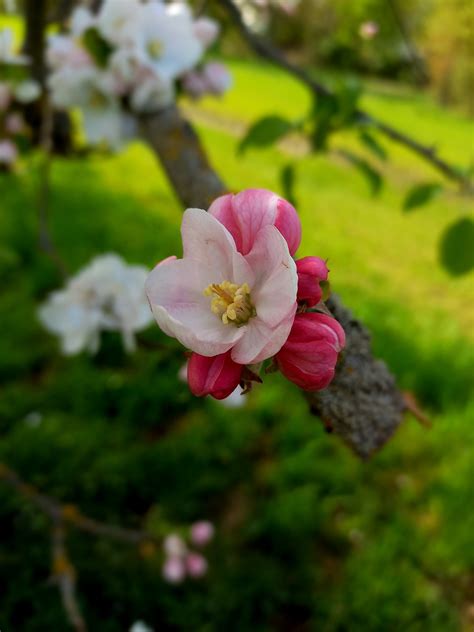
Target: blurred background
307,536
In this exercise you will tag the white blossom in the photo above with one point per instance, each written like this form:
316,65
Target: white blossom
107,294
27,91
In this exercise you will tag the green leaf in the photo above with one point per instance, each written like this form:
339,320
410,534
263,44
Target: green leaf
373,145
421,194
265,131
348,95
97,46
373,177
287,179
457,247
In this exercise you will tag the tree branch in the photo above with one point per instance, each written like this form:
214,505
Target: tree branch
267,51
179,150
363,404
61,516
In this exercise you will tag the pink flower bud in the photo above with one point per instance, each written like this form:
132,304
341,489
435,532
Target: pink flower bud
206,30
196,565
311,271
5,96
202,532
174,570
8,152
194,84
217,376
247,212
308,358
217,78
14,123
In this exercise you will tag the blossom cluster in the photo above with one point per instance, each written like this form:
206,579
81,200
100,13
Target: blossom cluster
14,94
238,299
108,295
132,56
181,561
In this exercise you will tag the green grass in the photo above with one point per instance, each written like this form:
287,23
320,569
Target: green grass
308,537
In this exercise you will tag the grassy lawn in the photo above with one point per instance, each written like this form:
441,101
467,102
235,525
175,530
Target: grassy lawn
307,533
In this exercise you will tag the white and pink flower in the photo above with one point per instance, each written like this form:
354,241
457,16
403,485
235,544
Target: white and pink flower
216,299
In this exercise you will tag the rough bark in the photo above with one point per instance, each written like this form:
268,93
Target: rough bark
363,404
180,152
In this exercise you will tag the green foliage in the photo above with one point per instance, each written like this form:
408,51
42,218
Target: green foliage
457,247
373,177
370,142
287,179
421,194
97,46
265,132
307,536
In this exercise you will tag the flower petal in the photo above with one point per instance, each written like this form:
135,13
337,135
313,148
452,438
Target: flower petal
175,291
260,341
276,281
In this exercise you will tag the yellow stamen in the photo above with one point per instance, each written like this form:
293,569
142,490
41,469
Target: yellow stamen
231,302
155,49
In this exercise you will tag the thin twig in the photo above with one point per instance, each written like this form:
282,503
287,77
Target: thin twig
267,51
418,70
62,515
65,576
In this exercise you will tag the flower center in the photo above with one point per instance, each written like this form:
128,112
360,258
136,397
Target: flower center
231,302
155,49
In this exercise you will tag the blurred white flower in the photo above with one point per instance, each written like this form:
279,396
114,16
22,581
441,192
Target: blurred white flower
27,91
107,294
6,49
119,21
81,20
166,41
8,153
64,50
33,419
152,94
174,545
139,626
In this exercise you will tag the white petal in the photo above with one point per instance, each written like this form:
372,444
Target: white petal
260,341
276,281
175,291
206,240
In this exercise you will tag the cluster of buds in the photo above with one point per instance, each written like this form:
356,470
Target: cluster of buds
15,93
241,303
132,57
180,560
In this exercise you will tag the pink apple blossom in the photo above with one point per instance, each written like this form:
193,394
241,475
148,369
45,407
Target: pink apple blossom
309,356
311,271
174,545
174,570
194,84
14,123
8,153
217,376
206,30
196,565
216,299
217,78
202,532
246,213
